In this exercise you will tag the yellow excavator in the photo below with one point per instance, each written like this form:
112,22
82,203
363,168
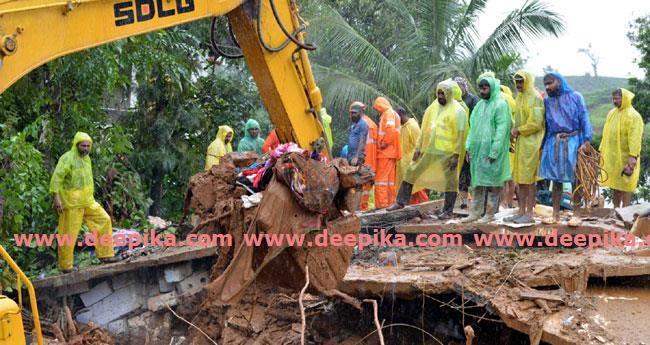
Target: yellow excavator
270,34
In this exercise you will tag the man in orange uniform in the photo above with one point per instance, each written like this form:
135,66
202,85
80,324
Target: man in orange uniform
371,149
271,142
389,151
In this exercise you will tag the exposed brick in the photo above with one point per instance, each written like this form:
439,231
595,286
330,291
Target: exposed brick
193,283
177,273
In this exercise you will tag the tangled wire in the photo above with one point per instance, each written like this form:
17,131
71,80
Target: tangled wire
589,174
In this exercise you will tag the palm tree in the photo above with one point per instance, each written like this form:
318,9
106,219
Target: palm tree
407,47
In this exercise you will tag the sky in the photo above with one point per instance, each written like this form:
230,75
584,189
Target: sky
602,23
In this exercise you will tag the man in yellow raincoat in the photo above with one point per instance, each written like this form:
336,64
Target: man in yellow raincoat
72,189
440,151
409,137
620,148
221,145
528,133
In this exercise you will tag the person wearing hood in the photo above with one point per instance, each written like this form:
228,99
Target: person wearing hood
272,141
439,152
389,152
409,134
488,146
251,140
72,190
219,147
527,133
620,148
568,128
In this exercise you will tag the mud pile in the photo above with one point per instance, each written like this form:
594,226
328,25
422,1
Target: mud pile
301,196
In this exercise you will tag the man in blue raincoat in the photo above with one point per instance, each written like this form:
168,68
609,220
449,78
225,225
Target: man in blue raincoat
567,129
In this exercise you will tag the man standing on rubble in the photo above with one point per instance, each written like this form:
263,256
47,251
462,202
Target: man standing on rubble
528,133
371,157
72,189
409,134
620,148
251,140
440,151
488,147
389,152
464,180
567,129
219,147
356,148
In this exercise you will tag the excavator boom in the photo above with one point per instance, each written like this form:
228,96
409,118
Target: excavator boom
269,32
33,32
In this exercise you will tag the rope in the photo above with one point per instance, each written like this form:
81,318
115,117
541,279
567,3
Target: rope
589,174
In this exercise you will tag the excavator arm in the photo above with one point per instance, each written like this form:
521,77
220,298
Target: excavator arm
33,32
269,32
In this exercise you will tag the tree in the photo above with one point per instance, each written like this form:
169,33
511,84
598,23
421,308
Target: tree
593,58
639,36
403,49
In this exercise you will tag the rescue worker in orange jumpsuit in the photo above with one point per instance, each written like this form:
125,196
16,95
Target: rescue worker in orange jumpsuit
389,152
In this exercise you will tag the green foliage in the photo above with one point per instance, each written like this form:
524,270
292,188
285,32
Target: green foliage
402,49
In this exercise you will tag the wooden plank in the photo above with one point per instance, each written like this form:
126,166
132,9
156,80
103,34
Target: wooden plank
534,295
166,257
382,217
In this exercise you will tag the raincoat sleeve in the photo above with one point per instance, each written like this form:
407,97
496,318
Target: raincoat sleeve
503,121
536,121
389,130
585,123
60,172
635,136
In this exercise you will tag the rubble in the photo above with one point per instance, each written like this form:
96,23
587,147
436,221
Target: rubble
466,294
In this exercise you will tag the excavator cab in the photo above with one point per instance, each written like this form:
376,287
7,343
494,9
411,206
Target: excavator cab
11,320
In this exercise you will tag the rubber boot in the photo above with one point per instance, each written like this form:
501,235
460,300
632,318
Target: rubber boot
491,208
477,206
448,208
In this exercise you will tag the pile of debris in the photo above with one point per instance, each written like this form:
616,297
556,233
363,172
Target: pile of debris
288,193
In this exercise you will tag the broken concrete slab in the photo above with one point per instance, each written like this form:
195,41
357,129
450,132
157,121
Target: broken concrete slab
193,283
163,285
114,306
518,272
96,294
177,273
164,257
628,214
123,280
161,302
